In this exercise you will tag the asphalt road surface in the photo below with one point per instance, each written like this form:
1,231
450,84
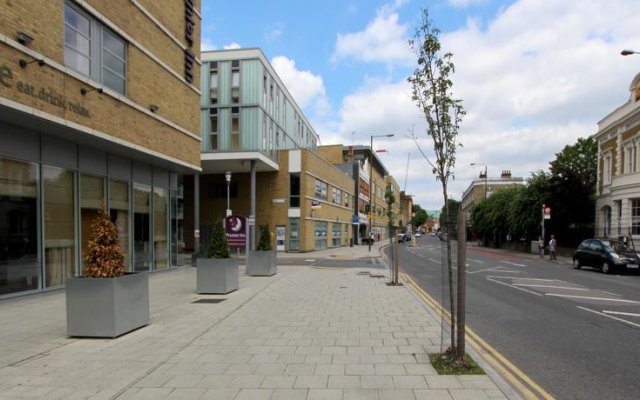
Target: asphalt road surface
576,333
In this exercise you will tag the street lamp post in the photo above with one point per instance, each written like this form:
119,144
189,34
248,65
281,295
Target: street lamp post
371,186
227,176
485,177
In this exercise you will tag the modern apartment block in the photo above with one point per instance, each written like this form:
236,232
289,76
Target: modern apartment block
618,187
254,133
98,108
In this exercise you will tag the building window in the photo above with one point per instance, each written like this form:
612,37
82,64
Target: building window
320,235
119,214
160,228
59,225
337,196
235,81
618,204
264,91
294,234
264,132
235,128
93,50
213,82
141,227
628,160
607,170
213,137
19,241
635,216
335,234
321,189
294,190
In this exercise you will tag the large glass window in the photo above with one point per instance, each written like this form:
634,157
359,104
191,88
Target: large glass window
294,234
177,223
91,200
214,129
59,225
335,234
235,128
635,216
19,267
93,50
294,190
160,232
213,80
321,189
337,196
320,235
141,227
235,81
119,213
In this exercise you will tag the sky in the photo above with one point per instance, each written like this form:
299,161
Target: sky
533,75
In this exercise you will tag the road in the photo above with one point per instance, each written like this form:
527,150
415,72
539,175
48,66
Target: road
576,333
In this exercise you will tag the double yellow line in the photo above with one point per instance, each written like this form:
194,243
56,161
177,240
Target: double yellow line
512,374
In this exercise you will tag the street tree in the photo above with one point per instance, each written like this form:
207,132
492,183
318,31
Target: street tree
420,215
391,199
432,93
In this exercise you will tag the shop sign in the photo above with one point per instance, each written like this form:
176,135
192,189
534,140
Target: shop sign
47,95
189,30
315,205
235,227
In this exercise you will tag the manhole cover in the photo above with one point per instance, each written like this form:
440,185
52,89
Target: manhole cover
377,276
362,273
208,301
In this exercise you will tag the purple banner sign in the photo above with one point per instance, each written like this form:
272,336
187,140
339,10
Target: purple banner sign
236,228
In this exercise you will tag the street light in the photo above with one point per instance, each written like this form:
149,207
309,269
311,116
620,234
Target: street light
227,176
627,52
485,177
371,186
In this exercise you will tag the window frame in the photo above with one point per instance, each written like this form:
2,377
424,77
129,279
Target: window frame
97,48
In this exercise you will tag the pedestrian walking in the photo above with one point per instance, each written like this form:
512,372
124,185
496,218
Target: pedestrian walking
541,246
552,248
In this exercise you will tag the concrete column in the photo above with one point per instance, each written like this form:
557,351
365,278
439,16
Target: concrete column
196,211
252,210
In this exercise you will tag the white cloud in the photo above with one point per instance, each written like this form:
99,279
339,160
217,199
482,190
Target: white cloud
272,33
206,44
231,46
465,3
306,88
538,77
383,40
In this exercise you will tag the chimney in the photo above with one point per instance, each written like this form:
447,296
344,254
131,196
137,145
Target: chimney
505,174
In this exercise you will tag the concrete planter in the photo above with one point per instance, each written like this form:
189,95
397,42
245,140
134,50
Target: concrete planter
217,275
262,263
107,307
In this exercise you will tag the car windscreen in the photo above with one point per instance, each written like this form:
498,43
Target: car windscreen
617,247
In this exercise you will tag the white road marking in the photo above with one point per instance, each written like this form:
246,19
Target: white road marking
609,316
497,269
628,314
515,264
540,279
310,260
478,261
591,298
550,286
432,260
609,293
511,286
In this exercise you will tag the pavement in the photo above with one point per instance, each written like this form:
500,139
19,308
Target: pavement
306,333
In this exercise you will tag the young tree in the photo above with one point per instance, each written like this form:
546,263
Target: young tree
391,199
432,93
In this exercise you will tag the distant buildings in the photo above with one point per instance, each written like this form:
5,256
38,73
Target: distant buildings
483,187
618,187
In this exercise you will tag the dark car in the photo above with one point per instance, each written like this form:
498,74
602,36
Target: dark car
605,254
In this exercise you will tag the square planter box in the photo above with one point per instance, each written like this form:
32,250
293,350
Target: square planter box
107,307
217,275
262,263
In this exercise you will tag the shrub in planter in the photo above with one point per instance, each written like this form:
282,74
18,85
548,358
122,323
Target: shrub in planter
263,261
217,271
106,301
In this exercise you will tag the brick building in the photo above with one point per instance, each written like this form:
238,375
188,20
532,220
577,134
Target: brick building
98,105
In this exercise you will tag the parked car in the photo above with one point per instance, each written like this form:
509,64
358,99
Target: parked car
605,254
418,234
404,237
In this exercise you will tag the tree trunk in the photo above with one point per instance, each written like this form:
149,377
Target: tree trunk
450,272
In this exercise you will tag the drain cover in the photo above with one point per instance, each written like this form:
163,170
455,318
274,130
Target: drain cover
362,273
208,301
377,276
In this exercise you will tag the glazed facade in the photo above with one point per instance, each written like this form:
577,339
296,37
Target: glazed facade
84,125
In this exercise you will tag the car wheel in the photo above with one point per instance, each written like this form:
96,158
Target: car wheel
606,268
576,263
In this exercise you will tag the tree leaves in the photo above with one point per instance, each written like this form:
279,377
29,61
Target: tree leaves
103,257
